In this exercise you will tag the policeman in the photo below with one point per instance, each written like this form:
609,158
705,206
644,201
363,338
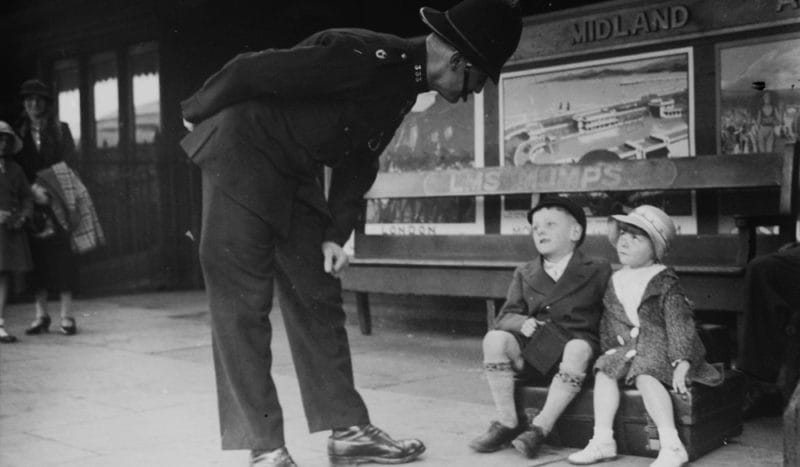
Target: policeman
263,126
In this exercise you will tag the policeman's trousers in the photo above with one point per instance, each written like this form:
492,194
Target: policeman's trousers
242,258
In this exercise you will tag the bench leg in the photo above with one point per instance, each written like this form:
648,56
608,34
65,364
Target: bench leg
364,317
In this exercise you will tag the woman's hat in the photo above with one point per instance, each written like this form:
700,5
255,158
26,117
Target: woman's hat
565,204
485,31
35,87
5,128
655,222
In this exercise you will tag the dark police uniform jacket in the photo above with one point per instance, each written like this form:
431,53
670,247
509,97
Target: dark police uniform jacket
267,122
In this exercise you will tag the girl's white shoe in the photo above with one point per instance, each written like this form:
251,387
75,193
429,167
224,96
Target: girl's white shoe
671,456
594,452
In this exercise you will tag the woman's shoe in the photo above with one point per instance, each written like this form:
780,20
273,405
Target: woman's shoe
39,326
68,326
6,338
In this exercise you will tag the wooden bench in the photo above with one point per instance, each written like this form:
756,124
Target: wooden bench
711,266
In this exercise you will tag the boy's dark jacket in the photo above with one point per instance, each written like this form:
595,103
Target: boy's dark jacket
575,302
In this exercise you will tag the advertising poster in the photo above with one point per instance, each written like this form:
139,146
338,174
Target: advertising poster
622,108
435,135
759,95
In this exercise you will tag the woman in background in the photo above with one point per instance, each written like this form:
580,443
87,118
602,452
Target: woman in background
46,142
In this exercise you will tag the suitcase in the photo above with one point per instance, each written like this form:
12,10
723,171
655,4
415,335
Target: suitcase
706,418
717,341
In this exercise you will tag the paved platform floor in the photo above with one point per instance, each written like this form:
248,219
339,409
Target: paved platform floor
135,387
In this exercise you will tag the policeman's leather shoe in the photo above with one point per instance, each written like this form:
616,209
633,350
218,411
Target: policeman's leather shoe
594,452
529,442
671,456
277,458
370,444
496,437
39,326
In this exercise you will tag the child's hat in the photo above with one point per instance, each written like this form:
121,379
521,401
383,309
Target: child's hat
655,222
5,128
563,203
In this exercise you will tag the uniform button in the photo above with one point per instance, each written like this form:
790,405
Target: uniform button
611,351
347,152
635,332
346,129
630,354
403,56
620,340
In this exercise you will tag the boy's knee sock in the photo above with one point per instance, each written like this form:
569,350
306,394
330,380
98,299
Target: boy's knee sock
565,386
500,377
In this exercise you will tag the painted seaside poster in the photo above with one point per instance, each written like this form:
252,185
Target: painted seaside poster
759,94
622,108
435,135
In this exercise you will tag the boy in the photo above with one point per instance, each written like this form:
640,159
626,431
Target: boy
559,294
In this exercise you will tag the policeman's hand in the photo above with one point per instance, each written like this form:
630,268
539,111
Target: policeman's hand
529,327
189,125
335,258
4,215
679,377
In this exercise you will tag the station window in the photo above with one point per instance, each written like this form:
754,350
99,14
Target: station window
67,83
143,64
105,94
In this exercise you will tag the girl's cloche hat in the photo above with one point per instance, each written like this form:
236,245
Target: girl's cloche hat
655,222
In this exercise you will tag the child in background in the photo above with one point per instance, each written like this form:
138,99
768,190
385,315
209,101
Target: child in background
648,337
16,206
547,327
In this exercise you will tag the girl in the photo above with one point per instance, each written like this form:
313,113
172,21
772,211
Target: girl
16,205
648,337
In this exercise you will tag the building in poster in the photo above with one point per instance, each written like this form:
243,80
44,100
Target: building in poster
628,107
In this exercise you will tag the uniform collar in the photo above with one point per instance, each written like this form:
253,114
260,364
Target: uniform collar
418,57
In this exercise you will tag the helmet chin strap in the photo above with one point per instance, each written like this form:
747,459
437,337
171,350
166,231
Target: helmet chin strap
465,85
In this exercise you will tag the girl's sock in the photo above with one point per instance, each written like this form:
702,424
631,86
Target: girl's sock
603,435
669,437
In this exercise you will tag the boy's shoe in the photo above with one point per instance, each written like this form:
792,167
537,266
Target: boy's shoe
277,458
671,456
496,437
370,444
529,442
594,452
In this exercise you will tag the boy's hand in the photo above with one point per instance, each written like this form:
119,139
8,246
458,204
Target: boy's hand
529,326
4,215
679,377
335,258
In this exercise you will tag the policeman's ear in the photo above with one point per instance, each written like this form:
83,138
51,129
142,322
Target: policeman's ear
575,232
